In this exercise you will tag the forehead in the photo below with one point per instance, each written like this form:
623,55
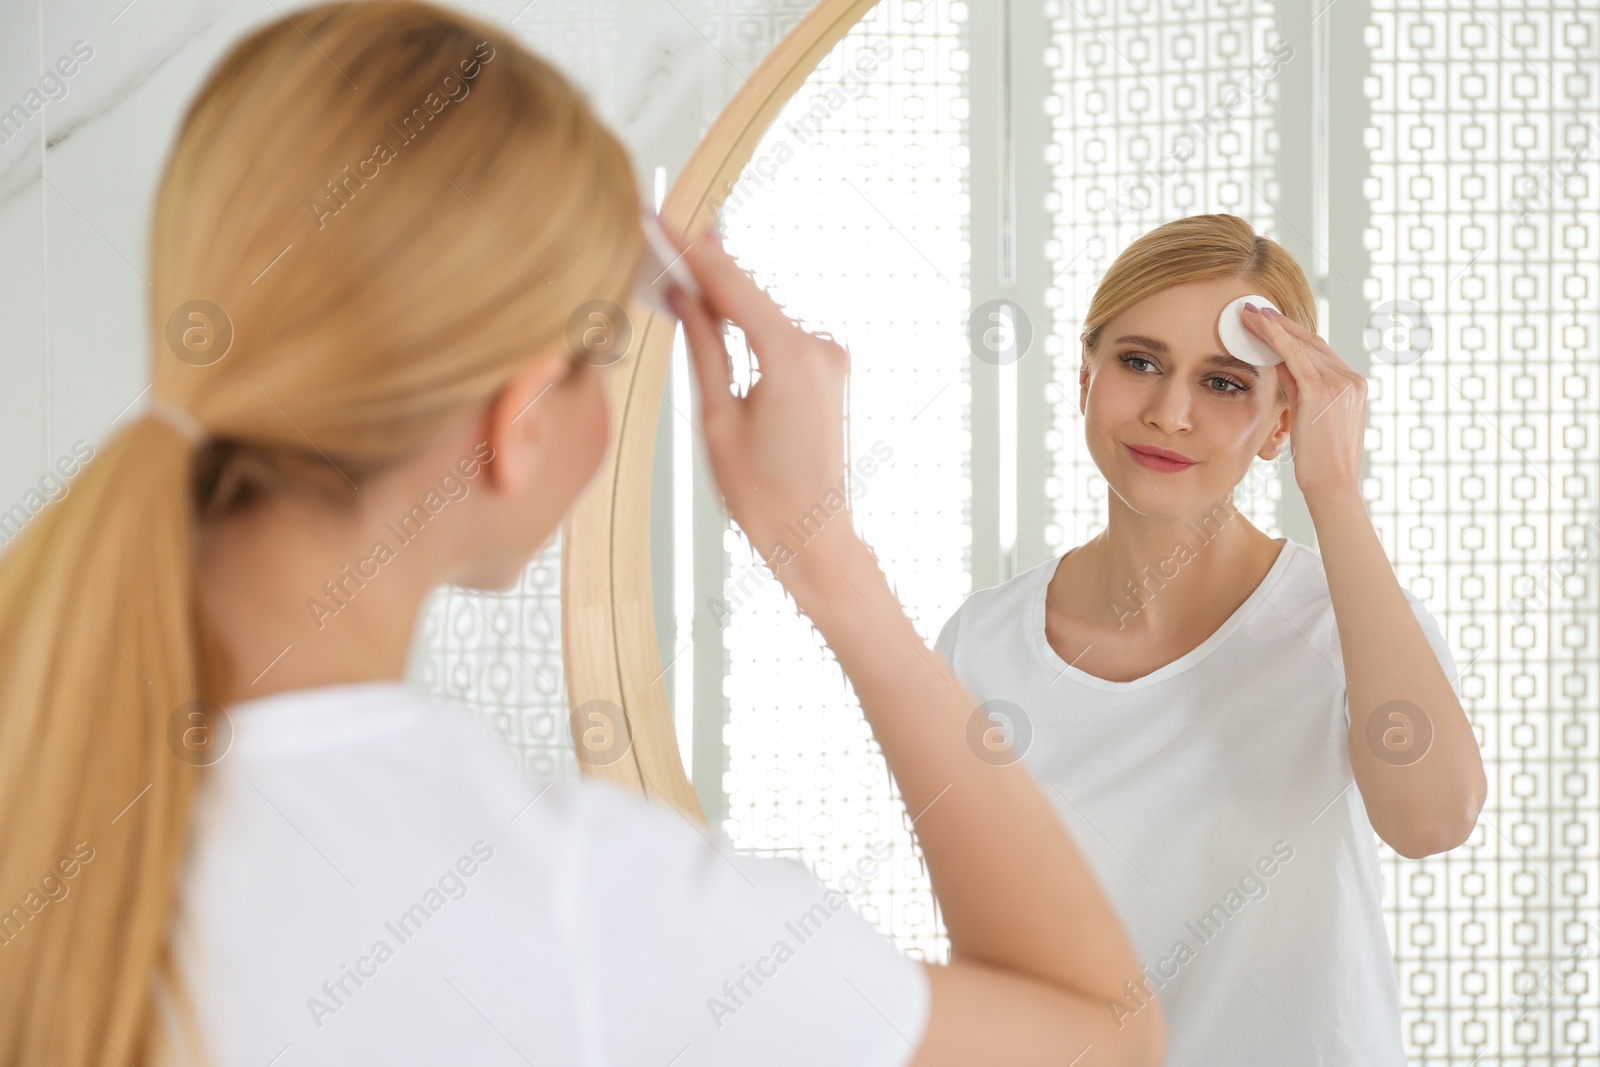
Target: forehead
1184,307
1183,316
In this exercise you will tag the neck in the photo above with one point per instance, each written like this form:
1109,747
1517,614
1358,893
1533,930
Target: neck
297,595
1168,575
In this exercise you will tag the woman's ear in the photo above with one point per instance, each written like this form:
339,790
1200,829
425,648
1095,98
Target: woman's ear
516,424
1280,434
1083,378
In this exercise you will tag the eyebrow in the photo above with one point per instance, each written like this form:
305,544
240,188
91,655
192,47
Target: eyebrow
1159,347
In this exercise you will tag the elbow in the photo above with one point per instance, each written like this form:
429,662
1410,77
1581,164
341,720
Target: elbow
1156,1044
1460,820
1130,1038
1149,1045
1436,833
1417,849
1446,821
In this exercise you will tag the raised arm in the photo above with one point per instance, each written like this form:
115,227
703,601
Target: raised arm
1412,750
1038,953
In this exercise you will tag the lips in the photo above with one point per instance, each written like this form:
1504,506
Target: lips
1160,459
1162,453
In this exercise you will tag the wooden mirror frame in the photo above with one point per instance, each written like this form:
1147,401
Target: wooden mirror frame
608,634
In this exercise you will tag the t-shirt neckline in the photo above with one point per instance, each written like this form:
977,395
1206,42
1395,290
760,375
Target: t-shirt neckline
1060,667
323,713
358,693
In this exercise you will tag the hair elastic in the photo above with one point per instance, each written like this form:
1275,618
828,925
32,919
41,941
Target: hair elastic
178,418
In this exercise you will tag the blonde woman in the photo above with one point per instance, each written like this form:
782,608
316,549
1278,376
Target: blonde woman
376,224
1223,718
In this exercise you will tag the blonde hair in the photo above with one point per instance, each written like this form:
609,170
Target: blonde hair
374,215
1199,248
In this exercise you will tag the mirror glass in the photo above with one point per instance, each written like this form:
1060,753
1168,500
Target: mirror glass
945,203
881,208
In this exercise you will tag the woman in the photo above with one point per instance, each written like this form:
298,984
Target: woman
1200,697
376,225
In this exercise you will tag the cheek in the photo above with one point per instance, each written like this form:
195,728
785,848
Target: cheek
1258,418
1114,410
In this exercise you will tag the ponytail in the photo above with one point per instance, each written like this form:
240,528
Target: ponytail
98,650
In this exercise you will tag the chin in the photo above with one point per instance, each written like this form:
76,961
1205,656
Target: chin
510,578
494,576
1173,502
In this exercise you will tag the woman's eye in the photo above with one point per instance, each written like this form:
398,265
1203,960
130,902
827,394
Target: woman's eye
1129,359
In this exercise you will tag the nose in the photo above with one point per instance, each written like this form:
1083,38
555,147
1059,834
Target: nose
1169,405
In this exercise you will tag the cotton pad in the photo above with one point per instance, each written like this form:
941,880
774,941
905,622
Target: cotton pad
660,259
1237,338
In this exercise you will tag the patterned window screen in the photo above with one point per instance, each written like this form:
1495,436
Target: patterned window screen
1482,231
1432,168
500,655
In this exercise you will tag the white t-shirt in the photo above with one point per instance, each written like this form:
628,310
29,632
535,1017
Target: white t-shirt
371,879
1214,800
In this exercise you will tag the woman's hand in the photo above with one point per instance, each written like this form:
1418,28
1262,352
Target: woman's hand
777,453
1327,404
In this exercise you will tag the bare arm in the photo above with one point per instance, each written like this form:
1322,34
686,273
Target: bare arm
1419,769
1038,953
1017,896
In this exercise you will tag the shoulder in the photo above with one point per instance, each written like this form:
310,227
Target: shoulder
333,721
683,931
629,848
1007,600
1306,579
640,930
383,778
1302,581
1304,599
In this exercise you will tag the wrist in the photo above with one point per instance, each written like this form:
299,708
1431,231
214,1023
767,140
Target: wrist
820,571
1334,498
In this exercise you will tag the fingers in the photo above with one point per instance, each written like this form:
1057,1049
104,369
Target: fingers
1328,356
1310,364
732,293
1310,340
1295,330
1293,349
709,357
702,333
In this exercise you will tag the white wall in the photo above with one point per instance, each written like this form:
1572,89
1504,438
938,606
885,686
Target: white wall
77,181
